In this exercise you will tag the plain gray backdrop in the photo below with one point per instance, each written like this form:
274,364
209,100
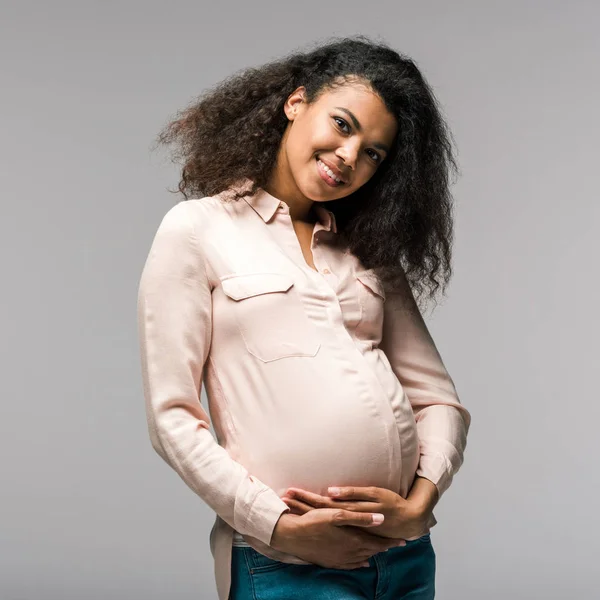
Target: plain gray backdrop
88,510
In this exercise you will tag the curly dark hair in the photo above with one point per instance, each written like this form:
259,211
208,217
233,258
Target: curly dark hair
400,222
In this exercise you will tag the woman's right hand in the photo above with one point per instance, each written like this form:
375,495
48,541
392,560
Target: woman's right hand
322,536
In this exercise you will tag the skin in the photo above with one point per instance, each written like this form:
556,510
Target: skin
324,130
326,530
403,517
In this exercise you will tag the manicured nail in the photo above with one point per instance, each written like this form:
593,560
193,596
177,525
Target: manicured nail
334,491
378,518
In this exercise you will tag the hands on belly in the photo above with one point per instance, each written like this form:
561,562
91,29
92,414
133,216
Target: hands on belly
403,518
330,537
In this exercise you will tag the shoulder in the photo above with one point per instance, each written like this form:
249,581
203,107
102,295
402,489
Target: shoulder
203,213
191,217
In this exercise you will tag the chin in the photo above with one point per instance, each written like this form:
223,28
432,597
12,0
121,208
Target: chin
312,191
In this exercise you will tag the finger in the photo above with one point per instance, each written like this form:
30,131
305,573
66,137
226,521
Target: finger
294,502
354,565
382,547
299,506
355,493
342,517
315,500
296,511
318,501
393,543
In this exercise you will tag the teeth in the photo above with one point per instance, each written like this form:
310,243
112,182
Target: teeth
328,171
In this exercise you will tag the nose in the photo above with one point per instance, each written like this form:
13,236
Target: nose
348,154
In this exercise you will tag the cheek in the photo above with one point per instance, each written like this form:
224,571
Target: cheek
323,140
300,148
363,174
319,136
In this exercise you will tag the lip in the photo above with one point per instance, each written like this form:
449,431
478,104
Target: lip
335,170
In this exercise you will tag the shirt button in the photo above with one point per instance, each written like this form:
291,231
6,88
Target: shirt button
326,271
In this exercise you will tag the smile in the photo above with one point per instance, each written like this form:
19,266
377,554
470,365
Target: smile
327,175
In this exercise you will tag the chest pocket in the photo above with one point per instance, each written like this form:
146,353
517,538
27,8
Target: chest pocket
371,296
270,316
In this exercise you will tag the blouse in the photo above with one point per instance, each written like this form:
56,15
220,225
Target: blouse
313,378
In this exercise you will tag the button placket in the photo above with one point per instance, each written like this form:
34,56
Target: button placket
320,262
322,271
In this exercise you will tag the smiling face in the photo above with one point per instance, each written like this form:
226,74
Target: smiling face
348,130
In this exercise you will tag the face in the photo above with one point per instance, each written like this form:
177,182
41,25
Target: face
348,129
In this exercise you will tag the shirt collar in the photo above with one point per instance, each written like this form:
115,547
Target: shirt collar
266,206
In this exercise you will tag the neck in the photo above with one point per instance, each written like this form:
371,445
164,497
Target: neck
301,208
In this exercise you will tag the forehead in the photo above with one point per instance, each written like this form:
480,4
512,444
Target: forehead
355,94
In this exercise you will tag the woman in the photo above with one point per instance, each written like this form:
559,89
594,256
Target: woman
287,287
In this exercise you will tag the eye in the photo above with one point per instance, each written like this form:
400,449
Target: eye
336,119
376,158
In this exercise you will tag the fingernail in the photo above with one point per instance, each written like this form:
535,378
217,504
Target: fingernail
378,518
334,491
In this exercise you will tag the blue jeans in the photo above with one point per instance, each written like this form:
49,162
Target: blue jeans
400,573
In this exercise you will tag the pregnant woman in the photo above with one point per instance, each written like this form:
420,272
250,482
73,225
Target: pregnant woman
316,211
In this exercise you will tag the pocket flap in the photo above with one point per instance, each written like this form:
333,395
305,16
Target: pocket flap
370,279
247,285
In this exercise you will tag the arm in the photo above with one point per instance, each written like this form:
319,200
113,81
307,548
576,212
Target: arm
174,325
442,421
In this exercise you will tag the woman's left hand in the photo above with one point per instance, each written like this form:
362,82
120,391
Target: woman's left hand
402,518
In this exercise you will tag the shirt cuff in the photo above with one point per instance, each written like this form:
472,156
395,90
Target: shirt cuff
260,517
438,469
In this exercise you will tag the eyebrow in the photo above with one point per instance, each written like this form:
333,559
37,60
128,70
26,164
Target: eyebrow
359,128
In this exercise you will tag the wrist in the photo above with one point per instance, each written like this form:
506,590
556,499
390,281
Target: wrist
423,496
283,531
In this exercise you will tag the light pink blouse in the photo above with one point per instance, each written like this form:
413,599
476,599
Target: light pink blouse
313,378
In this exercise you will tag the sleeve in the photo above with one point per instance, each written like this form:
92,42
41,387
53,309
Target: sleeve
442,421
174,326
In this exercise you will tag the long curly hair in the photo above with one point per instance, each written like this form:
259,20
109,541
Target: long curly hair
400,222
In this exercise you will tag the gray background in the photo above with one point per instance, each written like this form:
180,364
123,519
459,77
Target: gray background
88,510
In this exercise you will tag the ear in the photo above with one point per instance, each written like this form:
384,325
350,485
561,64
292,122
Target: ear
294,103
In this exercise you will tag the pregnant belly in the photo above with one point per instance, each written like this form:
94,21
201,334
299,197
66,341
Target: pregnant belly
351,441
